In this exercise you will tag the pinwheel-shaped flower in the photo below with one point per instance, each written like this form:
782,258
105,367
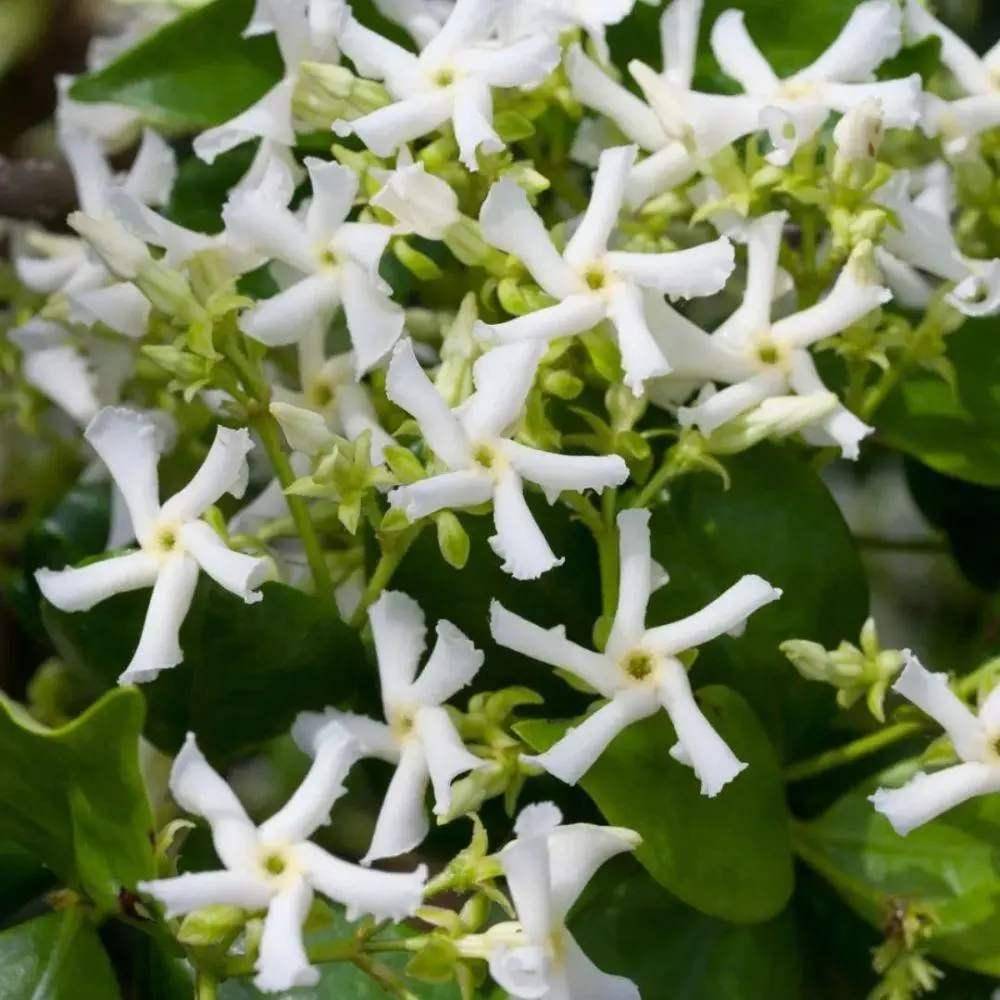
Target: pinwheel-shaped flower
474,443
975,740
798,105
274,867
547,867
639,671
592,283
451,80
174,542
958,122
760,358
417,736
332,263
920,238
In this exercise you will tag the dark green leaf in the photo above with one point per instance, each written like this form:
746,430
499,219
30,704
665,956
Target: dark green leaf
778,520
948,865
955,432
74,796
924,58
630,926
195,72
55,957
248,669
22,878
201,189
729,856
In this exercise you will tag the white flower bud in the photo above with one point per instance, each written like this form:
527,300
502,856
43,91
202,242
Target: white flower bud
420,202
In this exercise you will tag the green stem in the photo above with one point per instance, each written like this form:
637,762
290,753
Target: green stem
270,435
880,391
392,555
878,543
206,986
669,469
853,751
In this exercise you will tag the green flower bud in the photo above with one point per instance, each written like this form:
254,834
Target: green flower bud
326,93
211,926
417,263
452,539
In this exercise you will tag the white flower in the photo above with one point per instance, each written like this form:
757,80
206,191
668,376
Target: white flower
639,671
420,202
546,868
842,77
329,400
422,19
679,127
305,30
328,261
859,133
958,122
761,358
483,462
523,18
592,283
920,238
452,79
174,542
274,867
975,740
418,736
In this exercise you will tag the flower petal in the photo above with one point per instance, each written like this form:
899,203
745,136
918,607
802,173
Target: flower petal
356,415
385,130
665,169
402,822
63,375
159,646
153,171
238,573
120,307
374,55
634,581
224,470
472,119
642,358
282,963
576,852
590,241
763,238
81,588
453,663
383,895
409,387
400,638
523,63
552,647
698,271
575,314
580,747
726,614
716,410
510,223
374,321
738,55
195,890
444,752
282,318
698,744
270,118
374,738
128,443
256,221
334,189
518,541
926,796
679,40
556,473
840,427
449,491
199,789
586,980
503,377
957,55
525,863
902,100
872,34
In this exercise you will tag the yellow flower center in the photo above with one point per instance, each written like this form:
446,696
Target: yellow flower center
321,394
596,277
638,664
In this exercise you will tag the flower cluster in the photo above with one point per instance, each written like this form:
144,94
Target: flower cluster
453,312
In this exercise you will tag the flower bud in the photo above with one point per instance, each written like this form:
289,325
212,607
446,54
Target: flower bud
452,539
211,925
305,430
775,418
326,93
420,202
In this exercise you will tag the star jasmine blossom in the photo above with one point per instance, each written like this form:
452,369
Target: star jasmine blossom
591,282
417,736
975,739
274,867
174,542
547,868
452,79
474,443
329,263
760,357
639,672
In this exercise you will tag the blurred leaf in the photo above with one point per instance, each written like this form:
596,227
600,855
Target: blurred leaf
924,58
630,926
777,520
957,432
22,878
75,798
201,188
55,957
23,23
248,668
949,865
729,856
968,514
195,72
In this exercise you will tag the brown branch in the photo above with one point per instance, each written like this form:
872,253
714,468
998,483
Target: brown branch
36,190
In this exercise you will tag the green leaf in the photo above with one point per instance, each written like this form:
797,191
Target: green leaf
777,520
55,957
729,856
196,72
201,189
248,668
955,432
948,864
22,878
74,796
567,595
628,925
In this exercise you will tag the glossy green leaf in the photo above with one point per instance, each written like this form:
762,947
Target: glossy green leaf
630,926
248,668
948,865
777,520
22,878
195,72
74,796
729,856
955,432
55,957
